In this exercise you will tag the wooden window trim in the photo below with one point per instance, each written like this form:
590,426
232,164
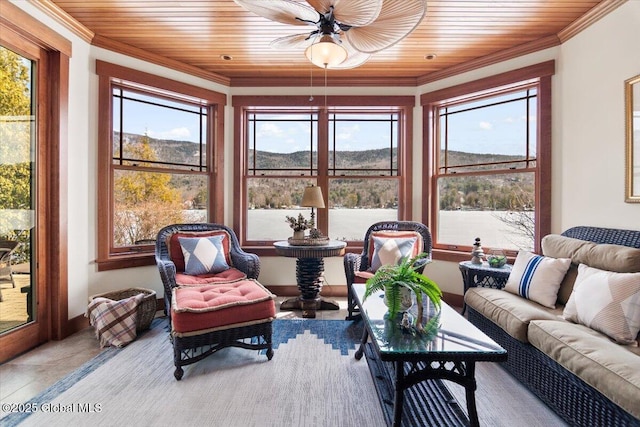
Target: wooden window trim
542,73
244,104
21,31
108,73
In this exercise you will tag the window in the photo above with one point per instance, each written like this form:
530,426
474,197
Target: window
489,169
353,152
157,158
38,209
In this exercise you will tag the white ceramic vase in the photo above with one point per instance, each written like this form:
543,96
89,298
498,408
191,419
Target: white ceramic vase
406,299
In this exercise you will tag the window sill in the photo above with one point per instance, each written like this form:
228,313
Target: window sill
459,256
449,255
126,261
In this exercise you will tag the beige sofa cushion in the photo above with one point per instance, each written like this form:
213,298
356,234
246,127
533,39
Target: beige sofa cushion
511,312
621,259
606,366
618,258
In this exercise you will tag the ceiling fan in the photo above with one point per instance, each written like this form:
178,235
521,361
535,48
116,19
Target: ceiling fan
347,31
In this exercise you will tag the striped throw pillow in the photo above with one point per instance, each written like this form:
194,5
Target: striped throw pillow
537,278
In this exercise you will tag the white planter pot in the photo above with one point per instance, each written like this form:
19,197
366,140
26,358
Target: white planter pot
406,299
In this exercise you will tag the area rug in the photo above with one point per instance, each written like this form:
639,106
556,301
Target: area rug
312,380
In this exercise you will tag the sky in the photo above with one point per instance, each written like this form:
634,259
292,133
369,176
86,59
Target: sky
499,129
159,122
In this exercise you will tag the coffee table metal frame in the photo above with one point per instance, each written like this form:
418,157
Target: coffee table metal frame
423,361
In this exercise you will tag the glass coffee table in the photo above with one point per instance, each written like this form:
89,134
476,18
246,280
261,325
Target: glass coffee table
401,363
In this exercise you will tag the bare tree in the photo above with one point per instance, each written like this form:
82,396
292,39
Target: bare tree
520,218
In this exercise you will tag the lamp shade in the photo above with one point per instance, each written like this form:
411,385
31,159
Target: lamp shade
312,197
326,52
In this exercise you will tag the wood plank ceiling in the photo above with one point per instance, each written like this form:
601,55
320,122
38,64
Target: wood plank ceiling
195,35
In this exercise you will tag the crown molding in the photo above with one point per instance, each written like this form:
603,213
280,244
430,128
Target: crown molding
63,18
592,16
153,58
331,81
501,56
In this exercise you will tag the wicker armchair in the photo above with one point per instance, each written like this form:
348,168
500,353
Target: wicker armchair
247,263
355,263
200,323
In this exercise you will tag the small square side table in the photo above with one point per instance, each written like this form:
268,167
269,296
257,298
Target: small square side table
474,275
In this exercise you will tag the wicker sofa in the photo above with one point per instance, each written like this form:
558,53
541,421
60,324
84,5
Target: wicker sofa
583,375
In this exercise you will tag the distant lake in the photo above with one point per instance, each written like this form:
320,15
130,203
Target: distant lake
461,227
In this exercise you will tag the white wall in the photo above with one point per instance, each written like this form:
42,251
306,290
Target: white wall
588,132
588,146
588,126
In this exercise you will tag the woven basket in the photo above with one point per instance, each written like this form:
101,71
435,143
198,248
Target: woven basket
146,308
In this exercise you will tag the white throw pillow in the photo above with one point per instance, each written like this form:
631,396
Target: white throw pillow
606,301
390,251
537,278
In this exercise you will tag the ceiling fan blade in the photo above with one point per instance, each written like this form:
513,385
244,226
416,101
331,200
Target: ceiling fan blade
354,58
397,19
357,13
296,41
284,11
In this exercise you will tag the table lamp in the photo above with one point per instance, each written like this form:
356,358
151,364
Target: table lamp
312,198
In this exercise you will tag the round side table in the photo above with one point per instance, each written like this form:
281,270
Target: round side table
309,269
483,275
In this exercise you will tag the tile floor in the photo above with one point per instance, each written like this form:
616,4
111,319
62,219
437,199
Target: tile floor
31,373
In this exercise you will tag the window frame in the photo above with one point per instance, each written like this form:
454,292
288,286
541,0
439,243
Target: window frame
24,34
110,75
243,105
538,75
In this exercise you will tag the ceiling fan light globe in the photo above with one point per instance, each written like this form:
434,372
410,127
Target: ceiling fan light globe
326,53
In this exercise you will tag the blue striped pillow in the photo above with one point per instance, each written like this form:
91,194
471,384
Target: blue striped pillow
537,278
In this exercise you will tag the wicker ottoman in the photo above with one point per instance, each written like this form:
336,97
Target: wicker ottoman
208,318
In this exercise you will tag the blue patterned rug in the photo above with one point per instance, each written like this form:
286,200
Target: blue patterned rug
341,335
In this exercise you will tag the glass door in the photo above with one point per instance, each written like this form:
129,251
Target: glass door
18,180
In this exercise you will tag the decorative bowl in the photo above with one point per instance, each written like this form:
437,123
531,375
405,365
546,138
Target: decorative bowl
496,259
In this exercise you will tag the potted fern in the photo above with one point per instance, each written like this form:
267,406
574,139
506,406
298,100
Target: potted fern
398,281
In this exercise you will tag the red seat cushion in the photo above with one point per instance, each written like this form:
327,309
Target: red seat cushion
220,306
232,274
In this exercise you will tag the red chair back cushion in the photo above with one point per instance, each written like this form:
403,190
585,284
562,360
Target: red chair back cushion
175,250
